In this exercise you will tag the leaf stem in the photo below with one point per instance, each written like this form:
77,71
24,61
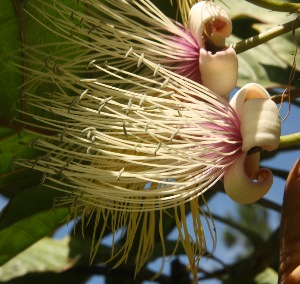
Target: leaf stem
292,95
263,37
277,5
289,140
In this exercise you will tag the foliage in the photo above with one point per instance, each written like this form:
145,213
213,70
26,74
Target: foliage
29,219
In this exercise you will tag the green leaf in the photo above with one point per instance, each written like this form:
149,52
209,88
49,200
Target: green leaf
10,80
22,234
284,46
12,146
238,9
14,182
27,203
262,66
46,49
268,64
45,255
268,276
5,131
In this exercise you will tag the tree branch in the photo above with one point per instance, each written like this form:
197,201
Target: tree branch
263,37
289,140
277,5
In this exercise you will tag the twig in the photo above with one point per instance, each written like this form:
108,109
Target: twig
289,140
277,5
263,37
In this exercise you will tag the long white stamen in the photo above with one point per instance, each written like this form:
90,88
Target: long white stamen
182,144
122,144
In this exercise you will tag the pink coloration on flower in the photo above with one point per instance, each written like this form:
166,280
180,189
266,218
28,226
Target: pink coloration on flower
133,149
260,128
189,66
141,27
204,58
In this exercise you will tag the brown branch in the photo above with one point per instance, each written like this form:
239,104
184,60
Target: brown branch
293,94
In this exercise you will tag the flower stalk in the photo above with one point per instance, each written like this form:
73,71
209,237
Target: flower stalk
278,6
289,140
263,37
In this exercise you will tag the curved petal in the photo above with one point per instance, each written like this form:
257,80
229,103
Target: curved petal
249,91
251,165
259,116
246,189
208,17
219,71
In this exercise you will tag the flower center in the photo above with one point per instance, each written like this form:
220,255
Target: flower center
211,26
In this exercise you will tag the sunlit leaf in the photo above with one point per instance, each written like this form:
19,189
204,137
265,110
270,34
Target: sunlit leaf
237,8
268,276
283,47
45,255
268,64
261,65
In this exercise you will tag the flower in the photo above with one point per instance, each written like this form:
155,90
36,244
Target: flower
209,26
244,182
133,147
112,29
128,148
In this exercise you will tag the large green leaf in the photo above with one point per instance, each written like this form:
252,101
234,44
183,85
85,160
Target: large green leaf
238,9
263,66
5,131
268,64
22,234
12,146
12,182
283,47
10,80
47,261
27,203
13,179
44,256
31,213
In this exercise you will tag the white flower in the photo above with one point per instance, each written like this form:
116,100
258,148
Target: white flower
260,127
130,147
113,28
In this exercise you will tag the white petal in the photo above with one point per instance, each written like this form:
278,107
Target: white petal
219,71
249,91
251,165
244,182
259,116
207,12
